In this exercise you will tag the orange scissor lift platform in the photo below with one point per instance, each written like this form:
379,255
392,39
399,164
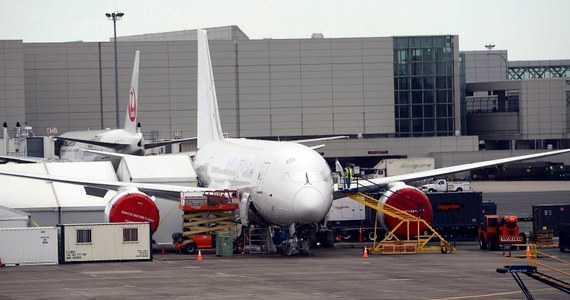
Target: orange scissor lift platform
207,213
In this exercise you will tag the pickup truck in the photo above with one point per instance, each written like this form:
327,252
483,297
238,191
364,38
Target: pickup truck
442,185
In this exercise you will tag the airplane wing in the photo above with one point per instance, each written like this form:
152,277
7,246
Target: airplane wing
166,142
166,191
21,160
121,155
96,143
320,139
371,184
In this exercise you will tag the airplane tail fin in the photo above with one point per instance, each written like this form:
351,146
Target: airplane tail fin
131,115
209,128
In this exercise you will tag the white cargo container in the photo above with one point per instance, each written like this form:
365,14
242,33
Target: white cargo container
28,246
105,242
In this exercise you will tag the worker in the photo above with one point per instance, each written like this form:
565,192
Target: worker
347,176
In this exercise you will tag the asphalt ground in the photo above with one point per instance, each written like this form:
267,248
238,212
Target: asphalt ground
335,273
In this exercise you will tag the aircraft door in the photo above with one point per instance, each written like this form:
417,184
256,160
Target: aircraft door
260,177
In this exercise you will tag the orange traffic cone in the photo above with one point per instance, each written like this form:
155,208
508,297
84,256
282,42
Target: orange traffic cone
199,255
365,253
528,251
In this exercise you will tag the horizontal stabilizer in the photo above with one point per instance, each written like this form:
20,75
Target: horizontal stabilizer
166,142
96,143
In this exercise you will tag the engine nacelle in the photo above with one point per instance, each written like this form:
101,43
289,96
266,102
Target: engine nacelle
410,200
131,205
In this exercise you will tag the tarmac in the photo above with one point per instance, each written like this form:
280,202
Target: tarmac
330,273
334,273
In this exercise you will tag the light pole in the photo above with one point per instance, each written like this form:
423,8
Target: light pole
115,16
490,47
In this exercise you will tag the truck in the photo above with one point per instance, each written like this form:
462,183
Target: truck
495,231
398,166
443,185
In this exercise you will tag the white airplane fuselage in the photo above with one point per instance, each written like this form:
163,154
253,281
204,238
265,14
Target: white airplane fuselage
288,182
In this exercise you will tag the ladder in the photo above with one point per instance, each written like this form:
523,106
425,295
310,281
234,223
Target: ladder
408,221
255,240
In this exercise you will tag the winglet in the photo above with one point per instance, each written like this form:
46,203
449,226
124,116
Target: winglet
132,107
209,128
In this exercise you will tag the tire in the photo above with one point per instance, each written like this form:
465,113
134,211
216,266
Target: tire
326,238
482,243
190,248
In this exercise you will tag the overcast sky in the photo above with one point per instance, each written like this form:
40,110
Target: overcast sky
528,29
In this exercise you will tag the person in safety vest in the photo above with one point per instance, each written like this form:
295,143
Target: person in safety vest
347,176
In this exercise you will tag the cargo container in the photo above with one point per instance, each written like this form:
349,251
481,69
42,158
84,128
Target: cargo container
457,215
101,242
546,217
564,236
28,246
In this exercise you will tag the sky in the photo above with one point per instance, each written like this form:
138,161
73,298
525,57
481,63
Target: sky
528,29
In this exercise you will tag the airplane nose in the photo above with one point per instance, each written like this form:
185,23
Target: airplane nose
309,205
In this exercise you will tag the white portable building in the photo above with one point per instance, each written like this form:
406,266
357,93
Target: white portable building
105,242
29,246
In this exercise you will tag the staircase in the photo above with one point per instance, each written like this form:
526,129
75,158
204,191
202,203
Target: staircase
255,240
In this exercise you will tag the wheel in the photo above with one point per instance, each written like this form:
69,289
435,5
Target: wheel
190,248
443,250
326,238
372,236
482,243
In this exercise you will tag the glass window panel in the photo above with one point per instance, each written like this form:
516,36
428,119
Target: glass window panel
449,80
428,96
404,125
429,125
427,41
441,96
416,97
441,125
428,68
428,111
439,41
417,111
428,54
440,82
402,55
449,68
428,83
401,69
416,69
447,53
417,83
450,110
449,96
404,97
402,42
450,126
441,111
416,55
418,125
440,68
404,111
403,83
439,55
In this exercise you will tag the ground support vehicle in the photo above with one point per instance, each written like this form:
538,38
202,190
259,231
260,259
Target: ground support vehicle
564,236
495,231
443,185
205,216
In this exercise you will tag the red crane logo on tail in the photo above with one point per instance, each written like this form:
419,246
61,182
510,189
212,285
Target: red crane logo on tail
132,110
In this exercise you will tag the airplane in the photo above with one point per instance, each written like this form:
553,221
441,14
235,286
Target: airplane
127,140
284,184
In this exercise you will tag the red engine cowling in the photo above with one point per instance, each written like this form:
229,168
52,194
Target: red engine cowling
131,205
410,200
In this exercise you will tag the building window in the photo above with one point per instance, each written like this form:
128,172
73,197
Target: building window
83,236
130,234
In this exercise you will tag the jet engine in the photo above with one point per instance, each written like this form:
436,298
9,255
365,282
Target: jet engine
131,205
410,200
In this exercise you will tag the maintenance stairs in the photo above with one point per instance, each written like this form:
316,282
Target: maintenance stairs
392,244
530,269
255,240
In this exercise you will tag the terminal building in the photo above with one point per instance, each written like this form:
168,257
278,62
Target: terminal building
394,96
